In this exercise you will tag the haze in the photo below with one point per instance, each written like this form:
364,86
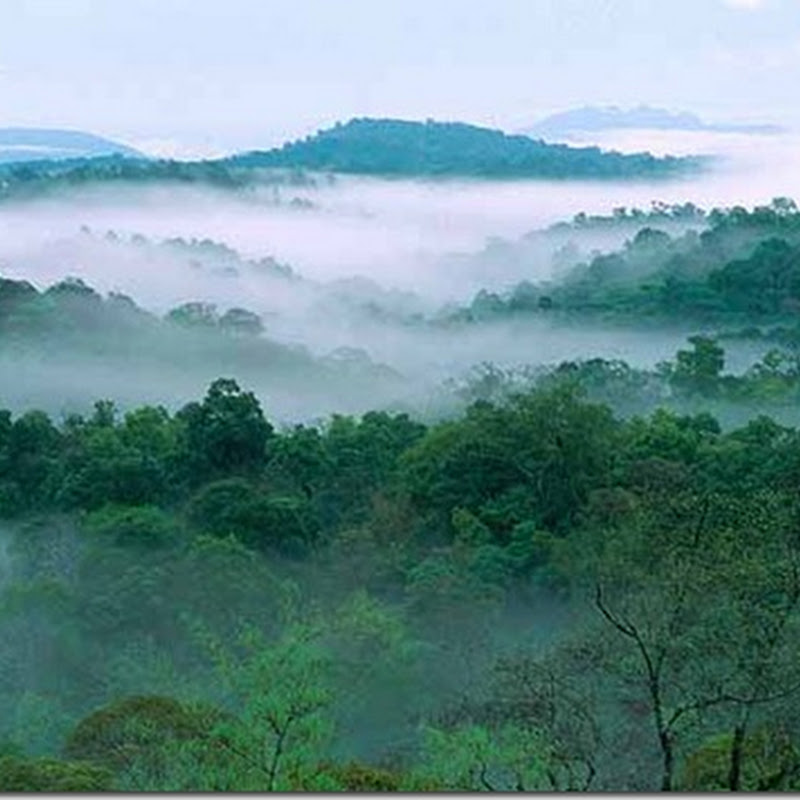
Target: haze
409,248
214,78
203,77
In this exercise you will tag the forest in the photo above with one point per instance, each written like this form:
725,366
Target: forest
382,148
513,595
45,178
499,580
399,397
741,266
509,599
389,147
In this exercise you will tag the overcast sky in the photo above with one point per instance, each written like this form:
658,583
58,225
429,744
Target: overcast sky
215,75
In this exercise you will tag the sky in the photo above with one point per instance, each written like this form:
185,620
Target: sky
204,77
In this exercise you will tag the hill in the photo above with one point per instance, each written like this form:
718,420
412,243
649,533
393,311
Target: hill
591,119
38,144
385,148
390,147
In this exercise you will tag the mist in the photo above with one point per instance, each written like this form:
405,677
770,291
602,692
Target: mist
361,267
395,231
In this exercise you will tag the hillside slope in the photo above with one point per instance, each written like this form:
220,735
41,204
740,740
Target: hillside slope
452,149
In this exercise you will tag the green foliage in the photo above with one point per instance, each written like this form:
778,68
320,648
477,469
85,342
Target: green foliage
767,282
194,315
771,762
356,777
283,690
258,519
51,775
30,180
652,582
698,370
535,457
342,467
122,592
477,759
742,267
227,432
361,456
135,730
529,583
38,723
32,443
374,656
137,527
396,147
226,585
106,470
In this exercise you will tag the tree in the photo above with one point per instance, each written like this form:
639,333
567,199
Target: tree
280,732
31,454
100,468
241,322
535,457
475,758
762,625
139,527
19,774
260,520
225,586
133,732
731,657
770,762
227,432
202,316
697,371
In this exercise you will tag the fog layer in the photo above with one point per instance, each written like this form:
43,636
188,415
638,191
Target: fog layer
369,260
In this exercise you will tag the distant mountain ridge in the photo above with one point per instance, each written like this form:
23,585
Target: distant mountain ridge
402,148
594,118
386,148
44,144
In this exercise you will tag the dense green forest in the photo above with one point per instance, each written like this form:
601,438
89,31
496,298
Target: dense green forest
514,598
741,267
582,576
73,330
453,149
43,178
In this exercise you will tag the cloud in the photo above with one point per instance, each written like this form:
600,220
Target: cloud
745,5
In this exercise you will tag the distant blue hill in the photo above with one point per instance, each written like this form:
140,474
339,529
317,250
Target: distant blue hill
44,144
594,119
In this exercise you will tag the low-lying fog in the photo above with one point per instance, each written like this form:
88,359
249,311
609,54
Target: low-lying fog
356,245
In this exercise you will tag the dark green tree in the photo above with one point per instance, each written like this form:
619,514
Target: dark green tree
226,433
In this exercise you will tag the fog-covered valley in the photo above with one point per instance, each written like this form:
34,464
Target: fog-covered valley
395,231
362,266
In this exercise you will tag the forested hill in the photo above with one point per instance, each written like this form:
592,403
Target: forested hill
386,148
404,148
